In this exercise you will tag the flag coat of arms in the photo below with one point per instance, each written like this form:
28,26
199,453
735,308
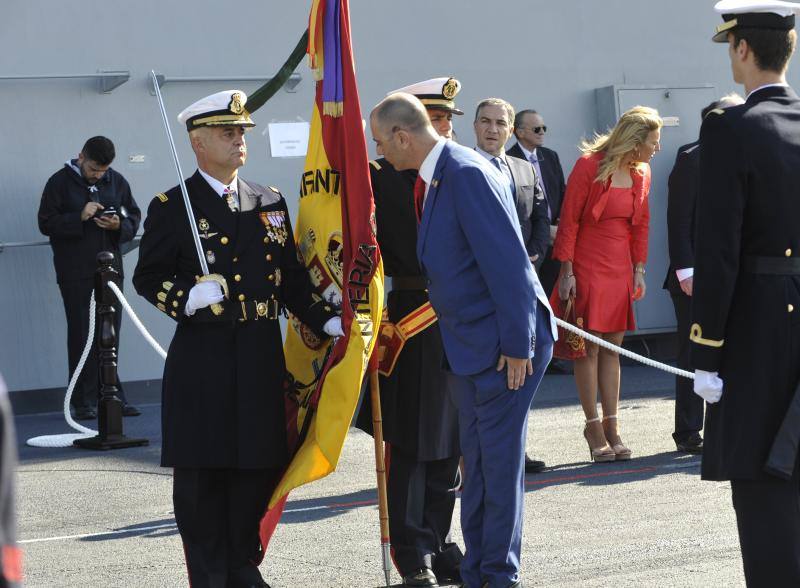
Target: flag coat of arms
335,233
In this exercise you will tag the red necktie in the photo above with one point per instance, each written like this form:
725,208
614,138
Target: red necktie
419,197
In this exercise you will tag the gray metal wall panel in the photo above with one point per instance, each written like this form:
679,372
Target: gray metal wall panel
546,54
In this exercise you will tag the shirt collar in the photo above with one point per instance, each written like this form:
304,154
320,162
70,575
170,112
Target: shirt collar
490,157
778,85
429,163
218,186
529,154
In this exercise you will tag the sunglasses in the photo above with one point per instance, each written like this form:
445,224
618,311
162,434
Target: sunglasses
538,130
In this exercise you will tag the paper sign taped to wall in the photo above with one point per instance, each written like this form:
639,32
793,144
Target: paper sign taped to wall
288,139
671,121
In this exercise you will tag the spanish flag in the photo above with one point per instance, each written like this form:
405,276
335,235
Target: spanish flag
335,233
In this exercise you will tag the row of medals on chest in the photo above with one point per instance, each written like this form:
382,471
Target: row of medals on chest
274,222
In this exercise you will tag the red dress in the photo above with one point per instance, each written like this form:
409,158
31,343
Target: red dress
603,230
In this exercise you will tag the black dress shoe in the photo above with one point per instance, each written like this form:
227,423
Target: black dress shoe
533,466
421,577
693,444
84,413
130,410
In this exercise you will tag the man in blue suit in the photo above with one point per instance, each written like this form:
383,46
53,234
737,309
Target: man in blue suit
497,327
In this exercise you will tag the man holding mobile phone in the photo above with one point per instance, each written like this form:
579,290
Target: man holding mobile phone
86,208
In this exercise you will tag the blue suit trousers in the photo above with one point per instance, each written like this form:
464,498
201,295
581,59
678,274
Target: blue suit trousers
493,422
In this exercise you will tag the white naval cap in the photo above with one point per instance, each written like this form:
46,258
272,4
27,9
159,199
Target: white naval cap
222,108
754,14
435,93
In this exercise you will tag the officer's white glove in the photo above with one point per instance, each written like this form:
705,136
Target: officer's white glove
202,295
333,328
708,385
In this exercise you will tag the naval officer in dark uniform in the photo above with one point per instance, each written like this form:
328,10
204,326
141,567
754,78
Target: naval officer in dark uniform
684,180
420,422
223,425
745,329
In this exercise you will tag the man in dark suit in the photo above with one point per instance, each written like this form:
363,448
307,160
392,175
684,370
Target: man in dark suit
493,127
496,324
420,421
683,186
530,130
87,207
222,416
745,328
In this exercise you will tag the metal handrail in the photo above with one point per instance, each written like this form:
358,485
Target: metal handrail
290,85
20,244
109,80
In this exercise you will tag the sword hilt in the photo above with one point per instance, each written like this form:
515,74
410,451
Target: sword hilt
217,308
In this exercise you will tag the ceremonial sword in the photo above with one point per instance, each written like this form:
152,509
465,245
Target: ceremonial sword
206,277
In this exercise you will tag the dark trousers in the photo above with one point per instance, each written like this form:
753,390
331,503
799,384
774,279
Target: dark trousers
76,306
548,272
688,405
768,518
421,501
218,514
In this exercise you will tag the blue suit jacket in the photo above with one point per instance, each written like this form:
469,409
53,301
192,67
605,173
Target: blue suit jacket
480,279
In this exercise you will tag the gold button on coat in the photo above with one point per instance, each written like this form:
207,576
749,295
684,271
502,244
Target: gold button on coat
241,297
790,308
224,240
266,239
269,257
271,277
788,253
237,277
235,259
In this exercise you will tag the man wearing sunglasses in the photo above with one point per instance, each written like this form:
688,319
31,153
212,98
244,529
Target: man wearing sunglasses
530,130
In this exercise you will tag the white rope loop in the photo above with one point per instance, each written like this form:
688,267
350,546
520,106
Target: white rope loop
66,439
625,352
145,333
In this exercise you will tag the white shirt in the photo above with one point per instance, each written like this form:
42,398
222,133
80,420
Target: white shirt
219,187
429,166
528,154
503,165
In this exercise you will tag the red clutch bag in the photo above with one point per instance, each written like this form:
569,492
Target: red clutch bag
569,345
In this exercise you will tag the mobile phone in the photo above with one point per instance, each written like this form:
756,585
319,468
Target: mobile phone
108,211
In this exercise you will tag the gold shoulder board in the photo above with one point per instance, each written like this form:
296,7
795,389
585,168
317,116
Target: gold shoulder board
717,111
274,189
162,197
375,164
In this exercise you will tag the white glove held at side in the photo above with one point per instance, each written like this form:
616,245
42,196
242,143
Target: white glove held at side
708,385
202,295
333,328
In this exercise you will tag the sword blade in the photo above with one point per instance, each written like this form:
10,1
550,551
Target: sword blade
190,213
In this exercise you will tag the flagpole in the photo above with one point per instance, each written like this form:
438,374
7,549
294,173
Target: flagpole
380,471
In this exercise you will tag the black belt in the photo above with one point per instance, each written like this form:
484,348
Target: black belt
253,310
409,283
780,266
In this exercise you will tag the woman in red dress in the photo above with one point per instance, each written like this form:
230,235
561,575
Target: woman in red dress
602,245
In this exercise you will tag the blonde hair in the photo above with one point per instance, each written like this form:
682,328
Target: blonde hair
630,131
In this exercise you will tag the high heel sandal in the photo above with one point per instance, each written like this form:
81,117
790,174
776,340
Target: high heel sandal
602,453
622,452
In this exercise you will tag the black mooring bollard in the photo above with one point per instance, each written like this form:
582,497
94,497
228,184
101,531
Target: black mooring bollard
109,408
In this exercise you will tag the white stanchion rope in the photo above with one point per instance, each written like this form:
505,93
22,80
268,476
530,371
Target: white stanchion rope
625,352
66,439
